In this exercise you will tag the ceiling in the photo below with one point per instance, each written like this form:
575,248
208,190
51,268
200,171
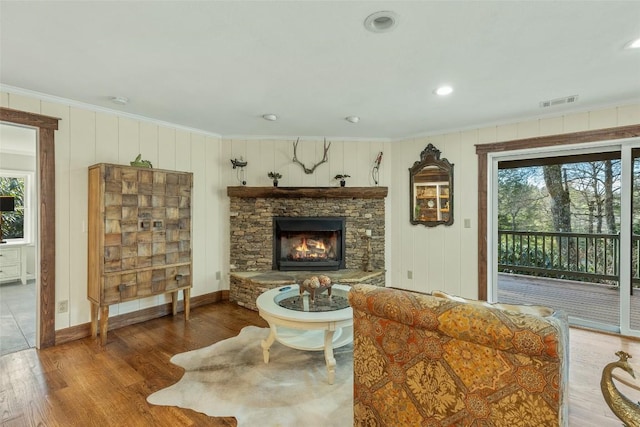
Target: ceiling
218,66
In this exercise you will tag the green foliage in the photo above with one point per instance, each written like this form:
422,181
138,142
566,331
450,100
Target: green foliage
593,189
522,201
13,222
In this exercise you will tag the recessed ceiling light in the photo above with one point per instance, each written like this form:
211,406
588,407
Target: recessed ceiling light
270,117
381,22
352,119
633,44
120,100
444,90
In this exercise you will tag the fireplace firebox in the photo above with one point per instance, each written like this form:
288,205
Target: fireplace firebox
308,243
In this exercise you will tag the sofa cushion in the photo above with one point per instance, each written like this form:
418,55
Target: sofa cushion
535,310
435,361
475,322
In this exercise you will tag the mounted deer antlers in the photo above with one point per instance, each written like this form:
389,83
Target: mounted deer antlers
306,169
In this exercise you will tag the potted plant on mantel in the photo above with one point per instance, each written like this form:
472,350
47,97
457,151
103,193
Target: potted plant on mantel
342,178
275,176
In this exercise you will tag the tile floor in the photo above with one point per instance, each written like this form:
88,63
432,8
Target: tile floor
17,316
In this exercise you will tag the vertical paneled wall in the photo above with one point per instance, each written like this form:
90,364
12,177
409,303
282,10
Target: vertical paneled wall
445,258
439,258
354,158
86,137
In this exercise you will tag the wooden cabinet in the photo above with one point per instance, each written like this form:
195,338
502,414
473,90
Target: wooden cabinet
13,264
432,201
139,237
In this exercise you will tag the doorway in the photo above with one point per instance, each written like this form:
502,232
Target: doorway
595,266
630,238
19,247
46,258
558,234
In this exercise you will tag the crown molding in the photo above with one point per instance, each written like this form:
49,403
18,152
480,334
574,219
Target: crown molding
95,108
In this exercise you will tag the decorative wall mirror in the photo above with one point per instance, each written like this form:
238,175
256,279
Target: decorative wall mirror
431,188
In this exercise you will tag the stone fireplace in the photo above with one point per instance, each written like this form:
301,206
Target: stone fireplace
255,263
308,243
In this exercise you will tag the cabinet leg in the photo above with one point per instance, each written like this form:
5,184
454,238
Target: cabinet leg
94,320
174,302
186,295
104,323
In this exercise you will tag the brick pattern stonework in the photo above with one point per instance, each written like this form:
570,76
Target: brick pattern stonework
252,227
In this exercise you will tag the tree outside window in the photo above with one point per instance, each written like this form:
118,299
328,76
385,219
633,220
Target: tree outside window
13,225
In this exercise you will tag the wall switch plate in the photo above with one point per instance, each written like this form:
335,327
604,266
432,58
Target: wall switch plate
218,275
409,274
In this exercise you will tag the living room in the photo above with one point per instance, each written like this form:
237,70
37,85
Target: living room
416,257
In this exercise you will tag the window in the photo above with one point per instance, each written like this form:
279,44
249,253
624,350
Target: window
17,225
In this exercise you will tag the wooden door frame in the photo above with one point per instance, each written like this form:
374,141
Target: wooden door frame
482,150
46,127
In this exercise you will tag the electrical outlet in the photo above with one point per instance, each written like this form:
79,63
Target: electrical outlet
218,275
63,306
409,274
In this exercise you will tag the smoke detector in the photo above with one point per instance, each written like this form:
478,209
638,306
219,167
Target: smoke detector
381,22
120,100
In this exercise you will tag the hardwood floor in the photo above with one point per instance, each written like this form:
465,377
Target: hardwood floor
83,384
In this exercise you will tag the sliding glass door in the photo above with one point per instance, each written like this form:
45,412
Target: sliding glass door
630,240
591,268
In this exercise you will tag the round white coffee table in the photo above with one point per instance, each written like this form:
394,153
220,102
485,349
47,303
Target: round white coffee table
306,330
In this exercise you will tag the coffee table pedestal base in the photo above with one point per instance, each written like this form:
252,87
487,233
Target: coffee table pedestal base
306,330
310,340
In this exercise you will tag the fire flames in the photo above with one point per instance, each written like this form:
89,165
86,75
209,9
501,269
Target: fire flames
310,248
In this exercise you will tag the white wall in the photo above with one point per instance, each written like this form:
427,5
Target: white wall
86,137
440,258
445,258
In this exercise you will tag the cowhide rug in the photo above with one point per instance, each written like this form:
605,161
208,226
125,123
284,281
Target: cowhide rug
230,378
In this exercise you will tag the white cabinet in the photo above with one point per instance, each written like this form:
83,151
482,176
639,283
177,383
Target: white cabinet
13,264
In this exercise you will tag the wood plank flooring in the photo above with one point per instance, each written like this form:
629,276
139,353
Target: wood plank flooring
83,384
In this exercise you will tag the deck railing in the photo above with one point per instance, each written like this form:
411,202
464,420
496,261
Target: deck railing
576,256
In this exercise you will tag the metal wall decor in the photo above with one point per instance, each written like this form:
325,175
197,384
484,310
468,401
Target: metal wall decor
240,165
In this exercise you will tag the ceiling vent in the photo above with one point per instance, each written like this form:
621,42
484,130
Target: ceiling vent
559,101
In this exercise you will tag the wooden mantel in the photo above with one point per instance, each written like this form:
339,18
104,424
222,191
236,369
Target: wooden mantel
311,192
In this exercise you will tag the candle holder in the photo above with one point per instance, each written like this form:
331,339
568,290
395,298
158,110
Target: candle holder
366,258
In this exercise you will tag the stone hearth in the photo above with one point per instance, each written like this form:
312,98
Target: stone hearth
251,229
246,287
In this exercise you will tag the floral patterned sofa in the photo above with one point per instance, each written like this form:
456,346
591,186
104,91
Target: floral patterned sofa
425,360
